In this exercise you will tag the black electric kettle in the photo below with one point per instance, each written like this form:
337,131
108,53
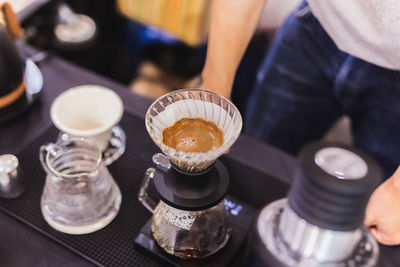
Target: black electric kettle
20,81
12,84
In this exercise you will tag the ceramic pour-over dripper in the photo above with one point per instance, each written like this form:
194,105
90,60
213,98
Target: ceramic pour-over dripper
193,103
190,220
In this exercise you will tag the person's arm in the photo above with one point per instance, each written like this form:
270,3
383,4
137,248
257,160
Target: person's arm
383,211
232,25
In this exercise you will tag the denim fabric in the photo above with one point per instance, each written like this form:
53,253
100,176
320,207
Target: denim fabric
306,83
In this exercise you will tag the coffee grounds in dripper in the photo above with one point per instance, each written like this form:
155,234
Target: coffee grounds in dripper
193,135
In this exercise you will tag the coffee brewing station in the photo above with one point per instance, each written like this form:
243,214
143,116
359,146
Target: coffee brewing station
320,224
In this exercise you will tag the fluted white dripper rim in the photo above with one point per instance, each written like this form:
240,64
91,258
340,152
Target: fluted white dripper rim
193,103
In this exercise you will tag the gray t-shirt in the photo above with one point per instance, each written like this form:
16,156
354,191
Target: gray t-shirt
368,29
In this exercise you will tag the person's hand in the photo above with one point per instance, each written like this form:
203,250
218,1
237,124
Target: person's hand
382,215
228,37
211,84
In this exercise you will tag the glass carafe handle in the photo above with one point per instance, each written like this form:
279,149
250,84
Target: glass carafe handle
48,148
161,161
143,196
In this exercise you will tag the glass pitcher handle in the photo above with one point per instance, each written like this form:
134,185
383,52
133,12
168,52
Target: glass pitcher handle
48,148
143,196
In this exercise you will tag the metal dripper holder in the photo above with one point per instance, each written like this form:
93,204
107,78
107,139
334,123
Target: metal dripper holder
321,222
190,221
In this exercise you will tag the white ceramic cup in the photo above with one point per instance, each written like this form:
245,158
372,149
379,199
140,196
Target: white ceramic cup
88,111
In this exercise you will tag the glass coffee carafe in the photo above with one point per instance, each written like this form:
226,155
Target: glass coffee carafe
190,221
80,196
190,234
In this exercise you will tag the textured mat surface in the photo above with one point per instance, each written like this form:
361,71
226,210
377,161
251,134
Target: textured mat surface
114,245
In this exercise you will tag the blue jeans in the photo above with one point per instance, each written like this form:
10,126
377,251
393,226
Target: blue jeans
306,83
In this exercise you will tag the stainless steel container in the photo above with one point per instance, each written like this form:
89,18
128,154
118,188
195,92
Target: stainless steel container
321,222
12,181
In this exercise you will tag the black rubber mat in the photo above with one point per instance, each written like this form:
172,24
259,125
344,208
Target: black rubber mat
114,244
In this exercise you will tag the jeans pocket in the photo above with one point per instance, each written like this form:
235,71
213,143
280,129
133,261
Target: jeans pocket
303,11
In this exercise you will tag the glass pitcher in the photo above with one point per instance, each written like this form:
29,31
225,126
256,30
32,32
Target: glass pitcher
186,234
80,196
